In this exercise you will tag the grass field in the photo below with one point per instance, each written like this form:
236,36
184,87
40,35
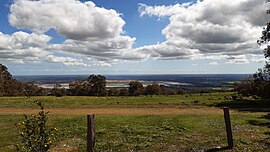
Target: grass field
188,127
71,102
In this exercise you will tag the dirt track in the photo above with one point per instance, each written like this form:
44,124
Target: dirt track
125,111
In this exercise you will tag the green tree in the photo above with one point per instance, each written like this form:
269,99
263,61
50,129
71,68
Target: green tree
135,88
30,89
95,85
123,92
153,89
260,83
58,90
8,85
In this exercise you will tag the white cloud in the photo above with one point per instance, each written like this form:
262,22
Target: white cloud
257,58
170,51
92,31
209,29
22,47
72,18
213,63
162,10
237,59
229,28
66,60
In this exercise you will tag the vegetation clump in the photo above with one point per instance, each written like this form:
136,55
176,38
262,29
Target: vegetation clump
35,134
95,85
259,84
11,87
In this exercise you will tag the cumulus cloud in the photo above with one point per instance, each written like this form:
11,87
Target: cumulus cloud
162,11
72,18
257,58
213,63
108,50
65,60
22,47
92,31
234,59
209,29
238,59
229,28
170,50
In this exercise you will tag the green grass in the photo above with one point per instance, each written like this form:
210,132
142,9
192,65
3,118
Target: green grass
71,102
147,132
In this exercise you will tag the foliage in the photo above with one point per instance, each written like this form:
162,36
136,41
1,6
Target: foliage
57,90
260,83
123,92
153,89
113,92
34,133
95,85
8,85
246,87
135,88
11,87
30,89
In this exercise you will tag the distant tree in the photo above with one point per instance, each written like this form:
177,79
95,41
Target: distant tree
153,89
169,91
246,87
8,85
95,85
30,89
123,92
58,90
76,88
113,92
4,74
180,91
135,88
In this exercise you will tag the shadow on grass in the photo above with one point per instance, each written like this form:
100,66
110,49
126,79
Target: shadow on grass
251,106
246,105
263,121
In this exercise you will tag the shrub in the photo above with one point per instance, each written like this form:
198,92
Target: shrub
34,133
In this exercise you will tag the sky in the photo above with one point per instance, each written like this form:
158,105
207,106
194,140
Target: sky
70,37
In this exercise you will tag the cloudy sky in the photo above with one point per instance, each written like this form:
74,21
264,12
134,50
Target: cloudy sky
131,37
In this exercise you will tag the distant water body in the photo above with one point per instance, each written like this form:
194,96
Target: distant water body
190,80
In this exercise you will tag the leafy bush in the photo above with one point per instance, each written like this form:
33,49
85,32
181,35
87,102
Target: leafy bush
135,88
35,135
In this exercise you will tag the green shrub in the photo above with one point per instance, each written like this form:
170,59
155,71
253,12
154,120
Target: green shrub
35,135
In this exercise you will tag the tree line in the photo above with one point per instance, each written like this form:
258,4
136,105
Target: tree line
94,85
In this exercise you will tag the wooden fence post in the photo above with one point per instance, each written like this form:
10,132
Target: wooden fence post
228,127
90,133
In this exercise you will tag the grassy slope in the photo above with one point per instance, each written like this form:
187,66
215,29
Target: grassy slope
141,132
113,102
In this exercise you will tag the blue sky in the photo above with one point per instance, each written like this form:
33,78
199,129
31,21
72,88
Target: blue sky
131,37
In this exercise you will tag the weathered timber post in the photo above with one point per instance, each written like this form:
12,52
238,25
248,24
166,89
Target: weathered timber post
90,133
228,127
